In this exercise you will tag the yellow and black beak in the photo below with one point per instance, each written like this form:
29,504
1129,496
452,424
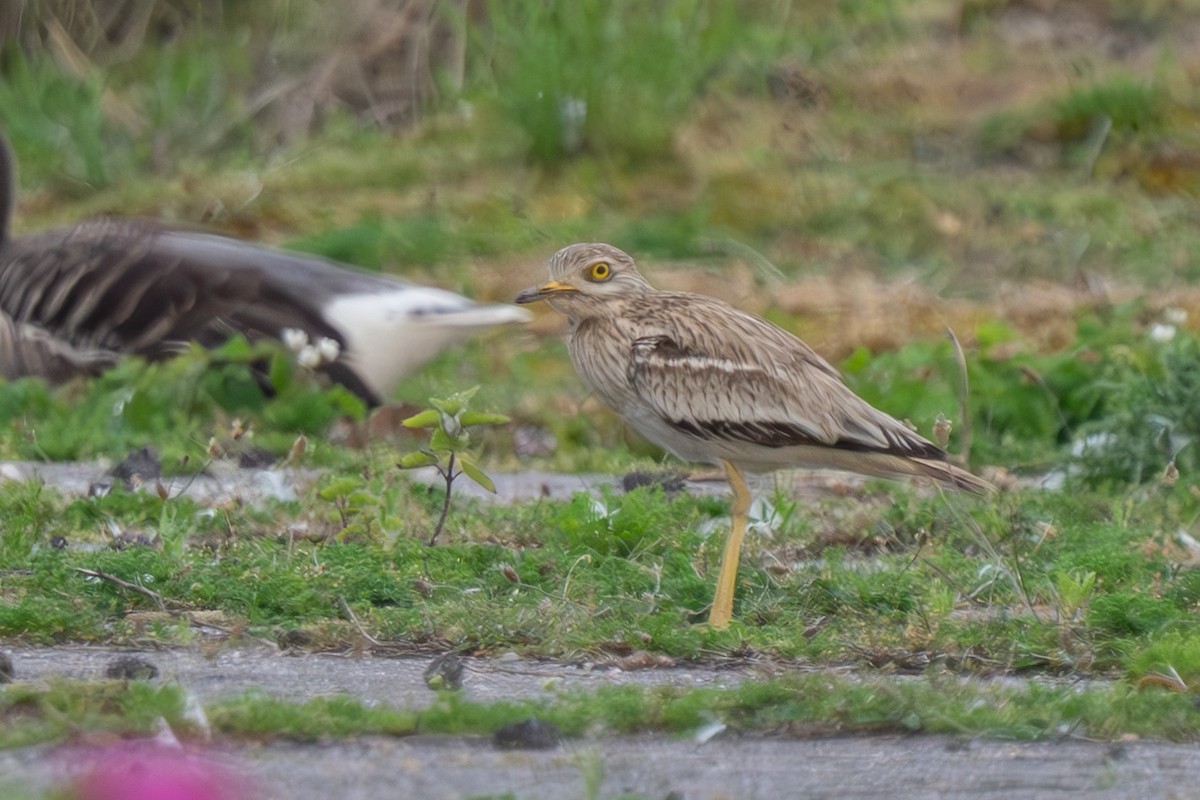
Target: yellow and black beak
535,293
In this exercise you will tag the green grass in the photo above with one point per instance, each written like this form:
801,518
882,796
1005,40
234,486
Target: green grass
934,705
794,705
590,75
1030,582
1077,169
179,407
1114,382
54,712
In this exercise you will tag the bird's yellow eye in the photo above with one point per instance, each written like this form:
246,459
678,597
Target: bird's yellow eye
601,271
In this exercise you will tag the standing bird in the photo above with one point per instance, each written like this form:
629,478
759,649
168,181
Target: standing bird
75,300
714,384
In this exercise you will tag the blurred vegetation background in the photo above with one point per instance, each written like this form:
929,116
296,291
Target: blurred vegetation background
966,139
864,174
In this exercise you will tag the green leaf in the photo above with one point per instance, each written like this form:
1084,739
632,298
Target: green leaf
442,442
856,361
234,388
993,332
140,411
236,348
360,498
482,418
473,472
419,459
347,402
340,487
455,403
426,419
280,371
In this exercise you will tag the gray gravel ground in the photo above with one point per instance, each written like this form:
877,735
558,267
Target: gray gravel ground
223,482
652,767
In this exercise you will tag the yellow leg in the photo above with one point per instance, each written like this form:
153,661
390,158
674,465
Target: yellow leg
722,606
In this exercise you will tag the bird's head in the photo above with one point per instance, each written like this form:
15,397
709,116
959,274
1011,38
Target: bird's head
582,274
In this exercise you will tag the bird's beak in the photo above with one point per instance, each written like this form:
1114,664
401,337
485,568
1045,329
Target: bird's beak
535,293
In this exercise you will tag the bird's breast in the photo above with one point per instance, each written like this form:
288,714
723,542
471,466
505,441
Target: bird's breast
601,353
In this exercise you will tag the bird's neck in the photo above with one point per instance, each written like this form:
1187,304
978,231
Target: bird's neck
575,308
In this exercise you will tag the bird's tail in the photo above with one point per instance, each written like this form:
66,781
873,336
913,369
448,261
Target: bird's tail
888,465
480,316
949,475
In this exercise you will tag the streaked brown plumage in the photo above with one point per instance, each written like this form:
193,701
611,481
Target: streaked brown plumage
75,300
714,384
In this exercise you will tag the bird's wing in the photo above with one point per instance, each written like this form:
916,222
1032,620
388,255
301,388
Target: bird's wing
133,286
28,351
718,373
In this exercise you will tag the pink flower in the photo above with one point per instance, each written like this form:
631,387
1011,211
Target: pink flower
150,771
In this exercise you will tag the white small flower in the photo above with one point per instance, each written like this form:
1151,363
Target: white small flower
1093,443
600,509
573,110
308,357
293,339
329,349
573,113
1174,316
1161,333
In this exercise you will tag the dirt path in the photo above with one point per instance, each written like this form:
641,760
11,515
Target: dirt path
652,767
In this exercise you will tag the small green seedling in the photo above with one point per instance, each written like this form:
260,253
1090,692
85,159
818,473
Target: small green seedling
448,444
1073,589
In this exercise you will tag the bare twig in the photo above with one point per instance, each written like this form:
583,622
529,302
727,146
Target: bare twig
190,480
1094,145
349,612
133,587
449,475
964,401
567,582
